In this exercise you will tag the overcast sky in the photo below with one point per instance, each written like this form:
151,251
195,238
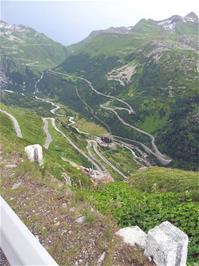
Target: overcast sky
71,21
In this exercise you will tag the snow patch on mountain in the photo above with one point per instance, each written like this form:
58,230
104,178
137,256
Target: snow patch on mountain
8,29
168,24
191,17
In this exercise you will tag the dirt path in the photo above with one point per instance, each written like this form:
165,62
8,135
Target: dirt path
14,122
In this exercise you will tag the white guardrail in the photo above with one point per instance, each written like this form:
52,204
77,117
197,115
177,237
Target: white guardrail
19,245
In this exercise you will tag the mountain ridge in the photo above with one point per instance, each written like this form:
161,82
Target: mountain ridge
190,17
116,108
146,68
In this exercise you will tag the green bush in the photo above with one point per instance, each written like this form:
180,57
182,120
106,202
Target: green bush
130,206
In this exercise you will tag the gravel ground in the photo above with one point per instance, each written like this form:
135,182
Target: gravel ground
3,260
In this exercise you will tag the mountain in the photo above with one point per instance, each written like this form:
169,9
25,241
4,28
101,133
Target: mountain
120,41
154,67
23,46
146,74
25,52
122,103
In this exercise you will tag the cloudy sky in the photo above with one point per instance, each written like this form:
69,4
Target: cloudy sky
71,21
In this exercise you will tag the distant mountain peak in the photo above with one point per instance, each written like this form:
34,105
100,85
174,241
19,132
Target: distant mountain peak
112,30
170,23
192,17
10,28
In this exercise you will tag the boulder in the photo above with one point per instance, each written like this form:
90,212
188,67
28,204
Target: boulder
80,220
167,245
133,235
34,153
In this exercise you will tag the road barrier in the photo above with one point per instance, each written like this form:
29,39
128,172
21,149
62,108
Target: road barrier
18,244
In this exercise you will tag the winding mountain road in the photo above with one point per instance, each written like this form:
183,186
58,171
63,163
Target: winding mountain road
54,110
49,138
72,123
161,157
139,159
164,160
94,144
74,145
129,108
92,111
14,122
89,149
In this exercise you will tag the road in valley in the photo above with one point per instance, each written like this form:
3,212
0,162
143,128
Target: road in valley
72,123
164,160
129,108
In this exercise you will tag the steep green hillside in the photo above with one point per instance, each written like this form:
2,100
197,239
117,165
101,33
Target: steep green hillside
152,195
25,47
153,67
48,206
158,179
123,102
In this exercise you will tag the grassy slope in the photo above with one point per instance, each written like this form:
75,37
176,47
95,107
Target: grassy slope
90,127
130,206
38,187
157,87
34,49
155,179
31,124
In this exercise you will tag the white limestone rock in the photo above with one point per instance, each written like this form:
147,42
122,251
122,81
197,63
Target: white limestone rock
80,220
16,185
133,235
34,153
167,245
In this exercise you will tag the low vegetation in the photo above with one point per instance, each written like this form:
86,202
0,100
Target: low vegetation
159,179
130,206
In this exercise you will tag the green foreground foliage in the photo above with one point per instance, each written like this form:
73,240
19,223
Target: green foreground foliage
130,206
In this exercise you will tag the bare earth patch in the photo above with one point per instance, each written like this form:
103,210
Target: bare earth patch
123,74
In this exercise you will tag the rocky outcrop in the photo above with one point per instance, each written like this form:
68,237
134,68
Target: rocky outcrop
123,74
133,235
34,153
165,244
